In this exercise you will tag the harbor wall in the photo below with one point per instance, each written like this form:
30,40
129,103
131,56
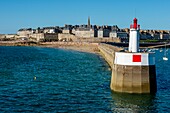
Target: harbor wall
133,79
130,77
108,52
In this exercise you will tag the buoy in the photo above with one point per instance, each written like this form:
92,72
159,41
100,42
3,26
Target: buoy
109,69
35,78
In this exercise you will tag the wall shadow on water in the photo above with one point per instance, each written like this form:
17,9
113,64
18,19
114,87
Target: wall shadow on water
133,103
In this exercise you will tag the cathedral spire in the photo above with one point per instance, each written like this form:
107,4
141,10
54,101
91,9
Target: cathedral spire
89,22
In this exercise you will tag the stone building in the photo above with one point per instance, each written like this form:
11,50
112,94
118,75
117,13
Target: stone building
115,28
118,34
67,31
164,36
39,30
36,37
11,36
25,32
102,32
2,37
86,32
44,37
66,37
49,30
145,35
155,35
73,31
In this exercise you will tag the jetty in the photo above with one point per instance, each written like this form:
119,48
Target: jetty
132,71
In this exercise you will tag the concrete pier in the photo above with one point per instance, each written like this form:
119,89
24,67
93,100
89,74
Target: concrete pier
108,52
132,71
128,76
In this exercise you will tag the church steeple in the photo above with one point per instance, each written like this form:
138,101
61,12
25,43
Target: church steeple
89,22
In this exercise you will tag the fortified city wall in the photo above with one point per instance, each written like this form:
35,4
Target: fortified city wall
71,37
66,37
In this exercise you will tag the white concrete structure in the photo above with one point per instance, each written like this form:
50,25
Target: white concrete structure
134,72
134,37
134,59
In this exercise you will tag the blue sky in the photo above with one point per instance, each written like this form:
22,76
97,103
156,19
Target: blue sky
16,14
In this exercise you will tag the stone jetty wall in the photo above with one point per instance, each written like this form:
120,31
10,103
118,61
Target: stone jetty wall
129,78
108,52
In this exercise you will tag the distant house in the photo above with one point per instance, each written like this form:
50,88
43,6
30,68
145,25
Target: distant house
2,35
118,34
25,32
102,32
145,35
44,37
67,31
49,30
86,32
115,28
155,35
39,30
164,36
73,31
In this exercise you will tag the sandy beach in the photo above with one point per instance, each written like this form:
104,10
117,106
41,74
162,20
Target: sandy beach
77,46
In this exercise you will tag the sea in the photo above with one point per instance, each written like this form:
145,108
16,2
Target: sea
51,80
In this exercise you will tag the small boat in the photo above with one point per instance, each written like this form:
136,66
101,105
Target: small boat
151,50
165,58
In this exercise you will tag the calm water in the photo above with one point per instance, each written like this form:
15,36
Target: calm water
34,79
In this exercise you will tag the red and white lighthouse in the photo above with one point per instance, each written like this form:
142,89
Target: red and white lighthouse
134,71
134,36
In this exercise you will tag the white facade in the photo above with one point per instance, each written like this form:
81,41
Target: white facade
86,33
103,33
66,31
37,36
24,33
134,37
73,31
164,36
100,34
49,30
113,35
134,40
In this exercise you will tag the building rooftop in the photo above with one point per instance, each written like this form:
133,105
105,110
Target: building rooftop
25,29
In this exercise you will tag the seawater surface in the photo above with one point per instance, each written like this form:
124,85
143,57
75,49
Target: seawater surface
36,79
